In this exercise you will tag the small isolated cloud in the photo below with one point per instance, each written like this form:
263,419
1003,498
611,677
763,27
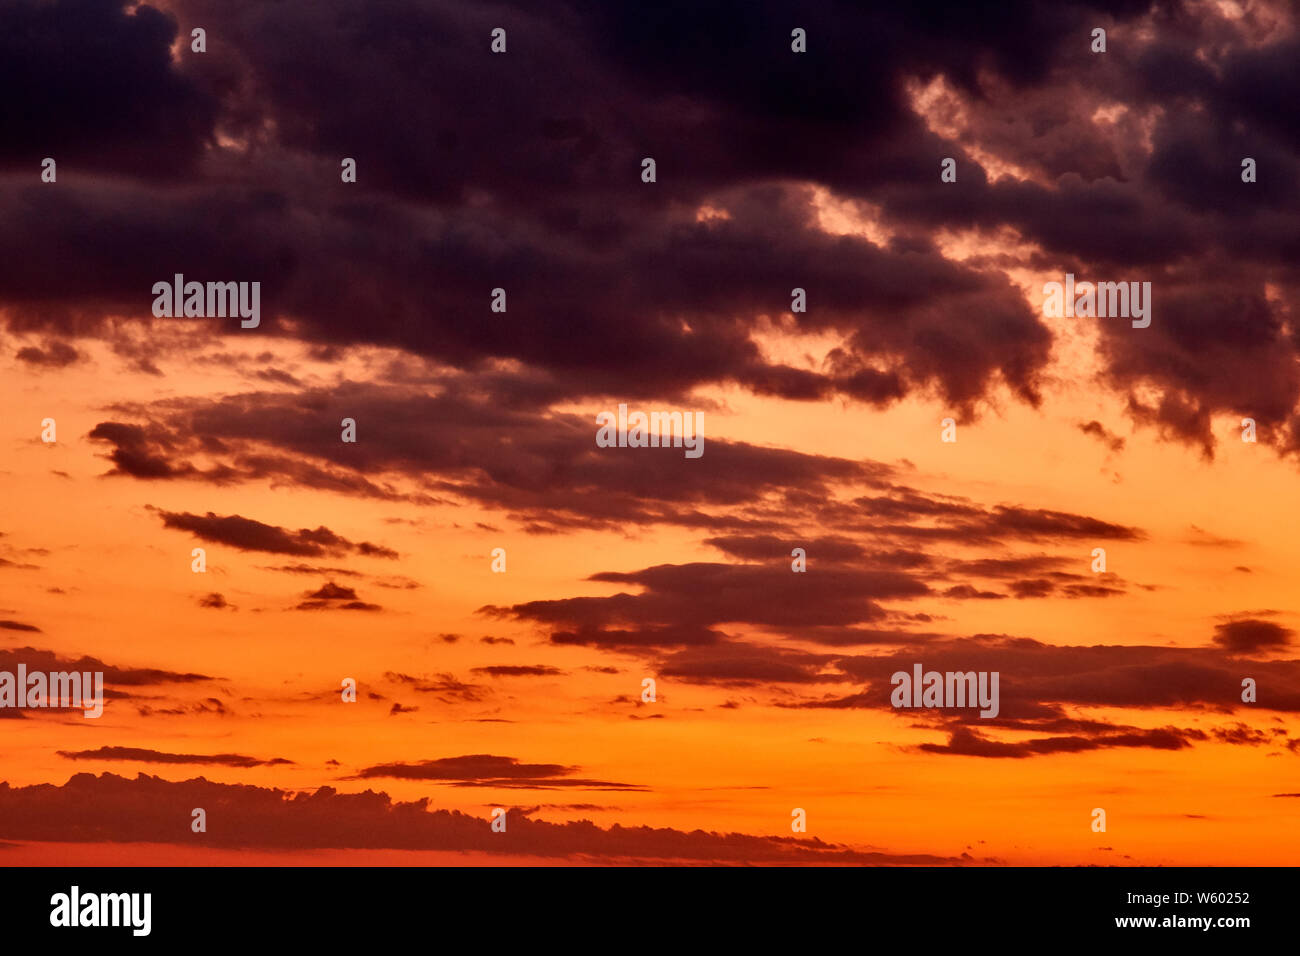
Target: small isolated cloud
54,355
488,770
246,534
157,756
1099,431
334,597
1250,635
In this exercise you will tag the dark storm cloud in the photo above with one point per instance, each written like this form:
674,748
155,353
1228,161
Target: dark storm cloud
521,171
680,285
568,231
93,86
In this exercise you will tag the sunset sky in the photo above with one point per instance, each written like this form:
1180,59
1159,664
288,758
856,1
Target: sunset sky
475,430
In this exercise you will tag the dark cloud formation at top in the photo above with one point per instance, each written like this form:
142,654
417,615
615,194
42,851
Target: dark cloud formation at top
92,84
447,206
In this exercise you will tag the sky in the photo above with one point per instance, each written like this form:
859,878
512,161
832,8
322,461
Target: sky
947,454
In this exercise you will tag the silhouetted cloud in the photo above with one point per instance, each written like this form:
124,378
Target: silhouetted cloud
115,809
55,354
487,770
334,597
50,661
156,756
247,534
1250,636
